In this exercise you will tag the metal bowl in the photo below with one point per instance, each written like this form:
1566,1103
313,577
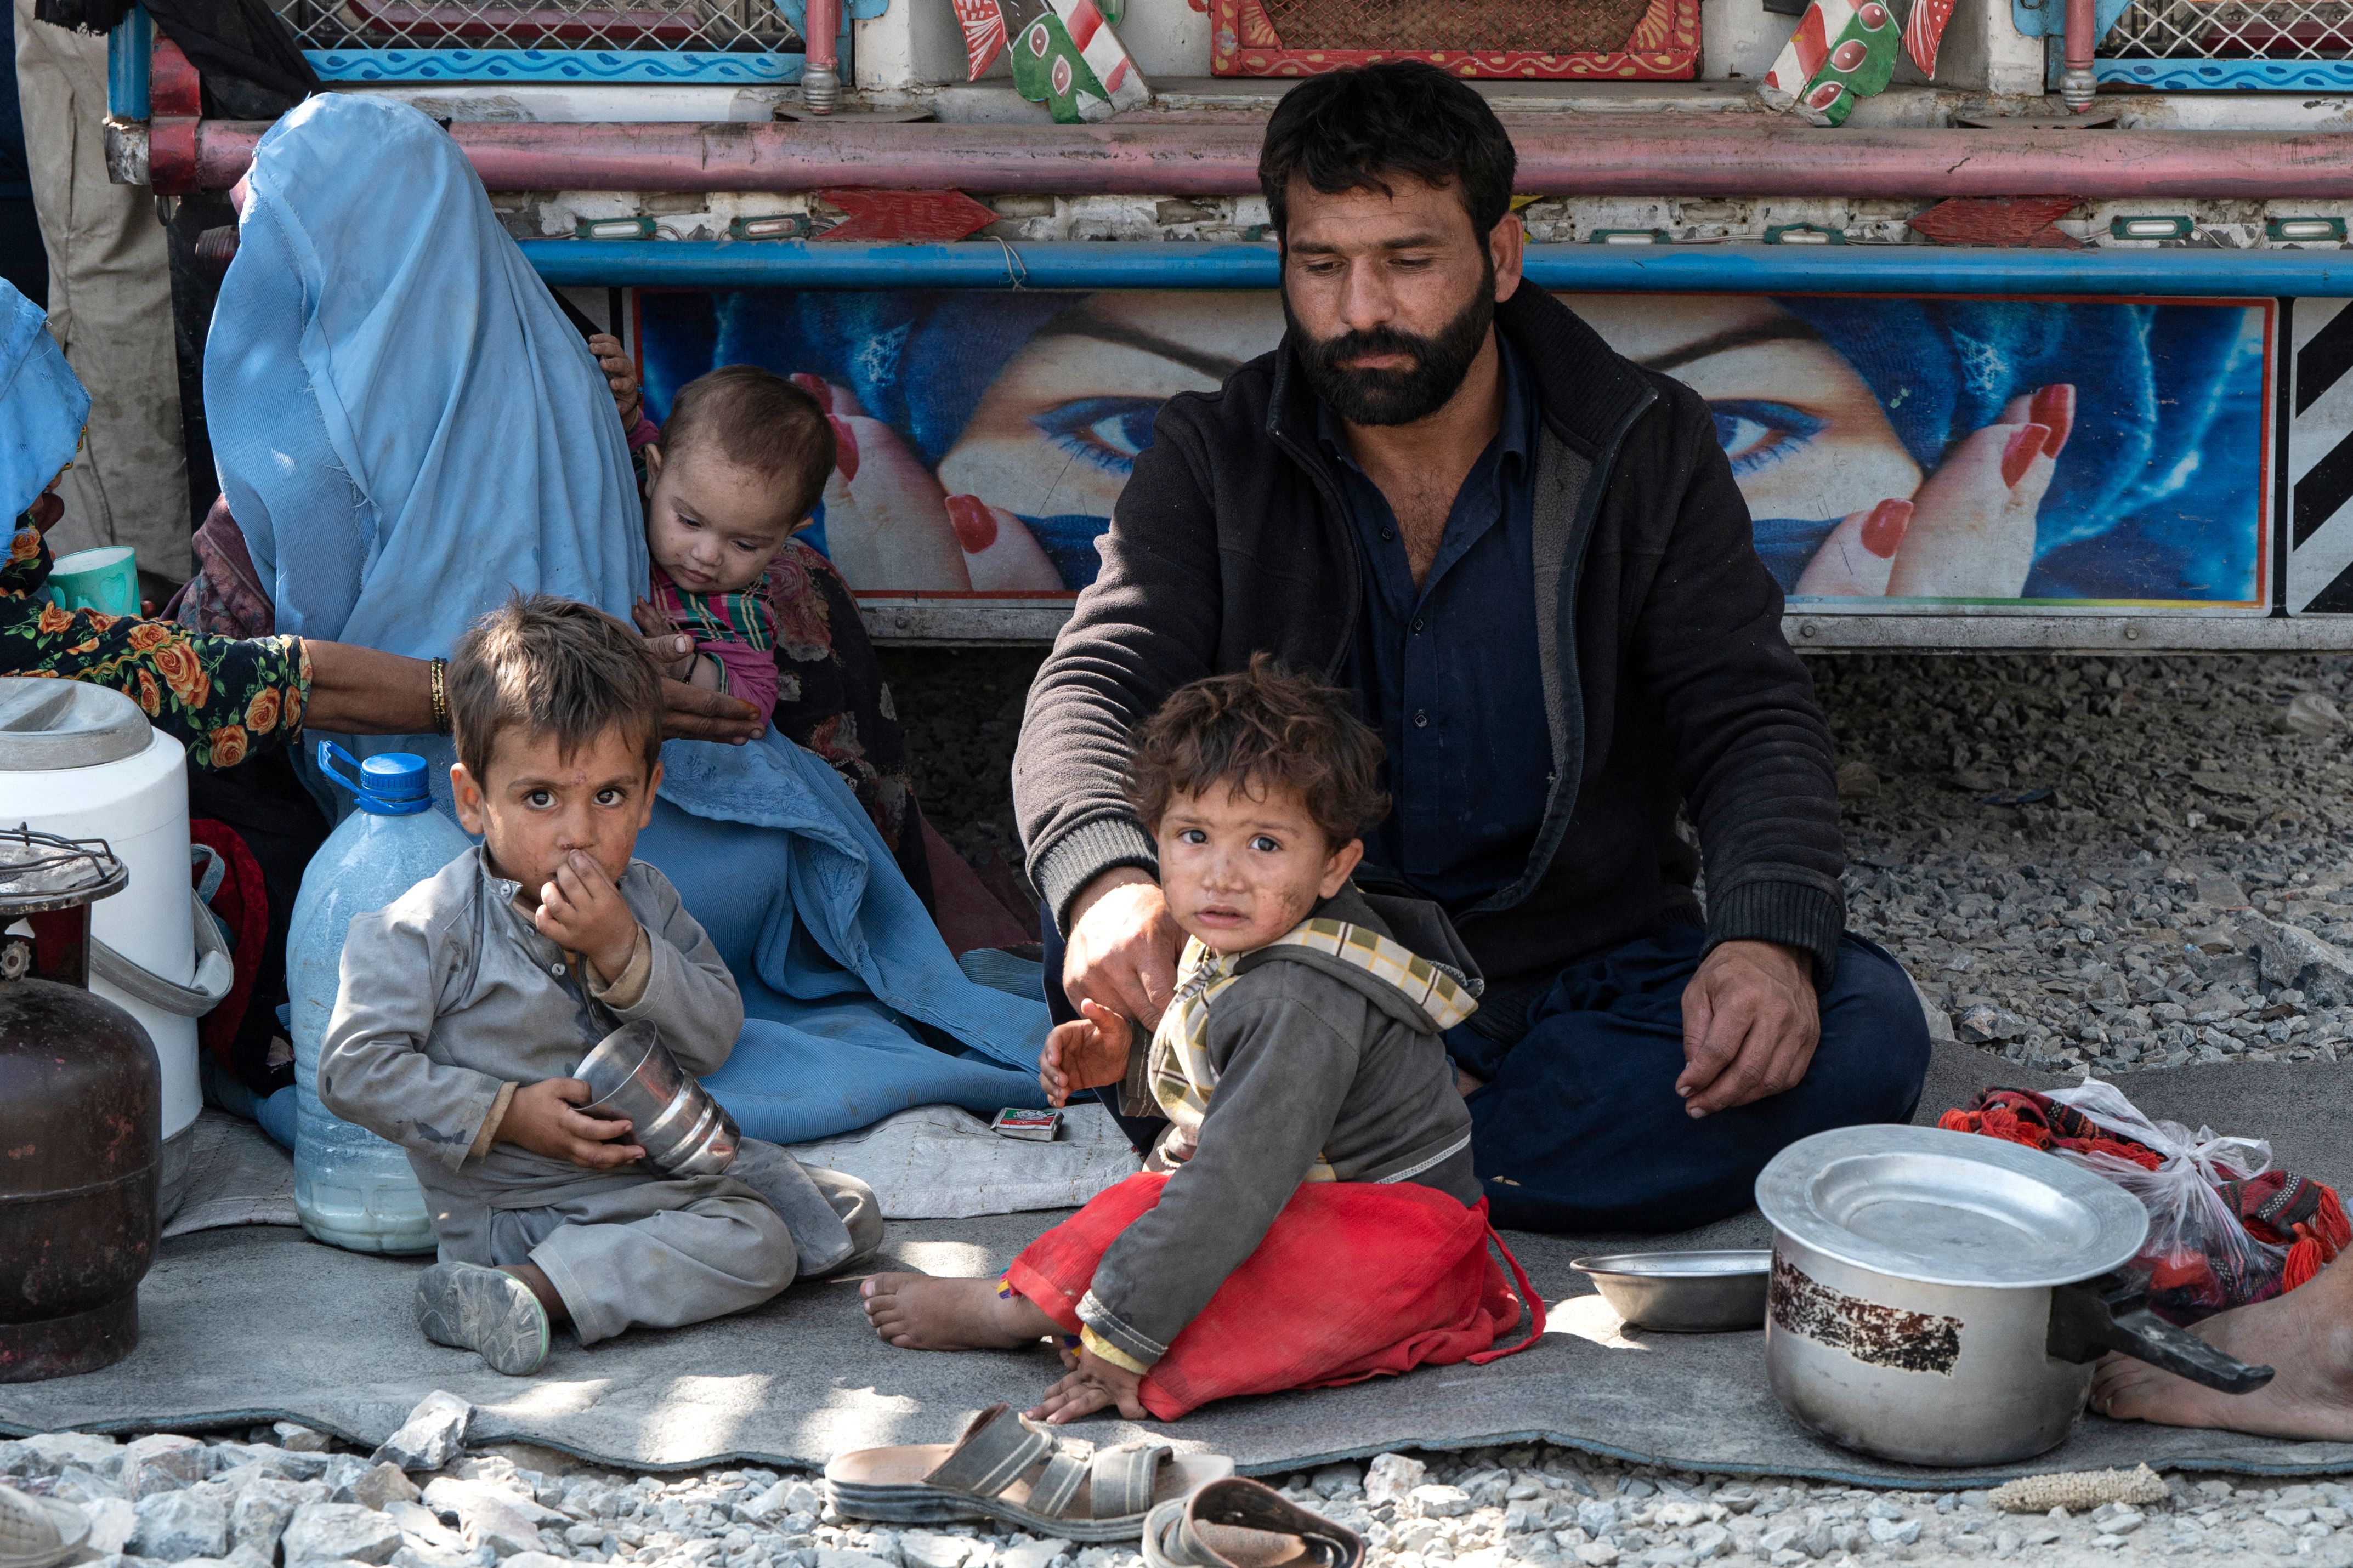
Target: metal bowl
1683,1292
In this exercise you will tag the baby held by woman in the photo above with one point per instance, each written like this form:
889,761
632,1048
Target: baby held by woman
743,462
1309,1217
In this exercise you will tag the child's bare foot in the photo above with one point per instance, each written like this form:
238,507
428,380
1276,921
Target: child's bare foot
921,1313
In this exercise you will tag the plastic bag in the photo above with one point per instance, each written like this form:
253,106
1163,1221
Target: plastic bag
2200,1258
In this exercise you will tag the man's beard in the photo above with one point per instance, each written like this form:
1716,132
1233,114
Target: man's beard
1363,397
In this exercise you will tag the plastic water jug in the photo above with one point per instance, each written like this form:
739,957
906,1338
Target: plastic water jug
351,1188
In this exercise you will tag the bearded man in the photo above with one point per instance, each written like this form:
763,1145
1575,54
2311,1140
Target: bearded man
1526,555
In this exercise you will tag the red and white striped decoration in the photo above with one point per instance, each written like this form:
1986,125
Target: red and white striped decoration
1924,30
983,34
1104,54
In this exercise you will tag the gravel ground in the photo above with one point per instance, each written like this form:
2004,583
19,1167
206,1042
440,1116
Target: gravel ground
284,1494
2127,863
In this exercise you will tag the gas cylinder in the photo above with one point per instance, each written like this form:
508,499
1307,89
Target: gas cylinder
81,1119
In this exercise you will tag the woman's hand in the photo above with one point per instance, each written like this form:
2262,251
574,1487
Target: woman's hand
690,713
662,633
1967,533
621,375
1096,1385
1086,1053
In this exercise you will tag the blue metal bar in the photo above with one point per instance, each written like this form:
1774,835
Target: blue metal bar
1591,268
129,48
576,67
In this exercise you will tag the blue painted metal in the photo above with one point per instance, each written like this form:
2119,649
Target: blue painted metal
1587,268
129,50
575,66
2048,18
2229,75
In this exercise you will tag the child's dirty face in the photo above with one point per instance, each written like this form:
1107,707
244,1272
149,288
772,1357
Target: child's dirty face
712,524
1240,866
539,804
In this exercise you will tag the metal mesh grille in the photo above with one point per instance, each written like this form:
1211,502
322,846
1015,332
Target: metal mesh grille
738,26
1417,26
2231,29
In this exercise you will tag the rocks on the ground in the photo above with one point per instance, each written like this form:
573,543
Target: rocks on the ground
507,1522
302,1439
264,1505
1440,1502
1392,1478
113,1523
179,1523
334,1531
56,1450
1026,1554
385,1483
163,1462
433,1434
918,1549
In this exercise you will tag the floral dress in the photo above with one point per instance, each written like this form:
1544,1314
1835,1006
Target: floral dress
222,698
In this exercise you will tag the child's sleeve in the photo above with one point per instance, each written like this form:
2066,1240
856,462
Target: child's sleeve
1292,1063
373,1069
745,672
688,992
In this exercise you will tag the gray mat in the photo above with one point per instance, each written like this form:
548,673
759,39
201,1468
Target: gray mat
254,1324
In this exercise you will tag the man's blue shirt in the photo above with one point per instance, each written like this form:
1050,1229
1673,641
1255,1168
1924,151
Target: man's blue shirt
1450,674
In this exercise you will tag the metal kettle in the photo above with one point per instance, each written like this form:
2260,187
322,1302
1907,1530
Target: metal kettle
80,1115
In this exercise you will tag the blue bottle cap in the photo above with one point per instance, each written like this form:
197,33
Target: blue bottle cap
391,783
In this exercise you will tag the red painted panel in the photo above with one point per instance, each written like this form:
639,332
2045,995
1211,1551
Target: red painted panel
1664,47
881,216
2000,221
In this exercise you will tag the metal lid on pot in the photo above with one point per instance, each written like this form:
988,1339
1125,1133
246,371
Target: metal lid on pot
1949,1208
47,725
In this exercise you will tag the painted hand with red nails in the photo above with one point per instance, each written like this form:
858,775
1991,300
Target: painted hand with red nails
890,524
1967,533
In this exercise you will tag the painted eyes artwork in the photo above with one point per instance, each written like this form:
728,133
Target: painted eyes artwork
1959,453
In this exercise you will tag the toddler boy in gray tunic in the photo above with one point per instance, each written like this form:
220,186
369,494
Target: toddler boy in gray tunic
467,1003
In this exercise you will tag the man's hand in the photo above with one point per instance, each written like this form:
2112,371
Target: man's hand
1122,948
1087,1053
621,375
1750,1025
541,1118
691,713
584,912
1096,1385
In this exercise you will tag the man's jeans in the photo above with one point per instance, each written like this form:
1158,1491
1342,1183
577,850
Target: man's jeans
1579,1127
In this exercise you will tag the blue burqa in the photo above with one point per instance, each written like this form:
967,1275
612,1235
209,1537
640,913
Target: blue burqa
408,430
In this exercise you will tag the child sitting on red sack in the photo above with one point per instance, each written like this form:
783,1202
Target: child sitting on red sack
1310,1217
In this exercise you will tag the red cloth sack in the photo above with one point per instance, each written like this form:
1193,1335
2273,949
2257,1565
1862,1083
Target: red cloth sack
1355,1280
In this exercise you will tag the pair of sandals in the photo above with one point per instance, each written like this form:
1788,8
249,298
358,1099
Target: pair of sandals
1190,1510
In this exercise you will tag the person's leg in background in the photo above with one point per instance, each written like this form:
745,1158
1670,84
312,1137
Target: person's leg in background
109,309
1580,1128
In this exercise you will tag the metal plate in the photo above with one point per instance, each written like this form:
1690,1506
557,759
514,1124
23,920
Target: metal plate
1949,1208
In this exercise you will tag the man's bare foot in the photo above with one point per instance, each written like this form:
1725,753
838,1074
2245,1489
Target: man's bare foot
922,1313
2306,1335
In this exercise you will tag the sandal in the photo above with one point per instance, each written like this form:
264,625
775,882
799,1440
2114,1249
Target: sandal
1235,1523
1007,1467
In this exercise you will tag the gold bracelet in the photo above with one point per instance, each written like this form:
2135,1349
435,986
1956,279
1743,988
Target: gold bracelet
440,697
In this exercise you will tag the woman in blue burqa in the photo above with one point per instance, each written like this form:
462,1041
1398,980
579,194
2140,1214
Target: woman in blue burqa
408,430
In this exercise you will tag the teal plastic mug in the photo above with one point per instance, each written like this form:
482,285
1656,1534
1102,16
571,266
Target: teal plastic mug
105,579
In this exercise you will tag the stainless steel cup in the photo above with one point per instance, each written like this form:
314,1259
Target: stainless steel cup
672,1117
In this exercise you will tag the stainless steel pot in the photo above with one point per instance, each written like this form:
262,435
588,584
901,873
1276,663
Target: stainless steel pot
1939,1298
682,1129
